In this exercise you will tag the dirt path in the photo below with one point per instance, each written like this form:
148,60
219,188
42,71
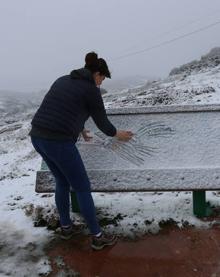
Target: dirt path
172,252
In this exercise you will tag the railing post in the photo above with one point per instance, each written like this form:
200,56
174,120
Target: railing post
200,207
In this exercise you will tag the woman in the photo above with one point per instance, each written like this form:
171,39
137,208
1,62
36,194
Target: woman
55,129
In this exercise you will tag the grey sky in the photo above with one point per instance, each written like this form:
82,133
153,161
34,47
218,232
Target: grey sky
42,40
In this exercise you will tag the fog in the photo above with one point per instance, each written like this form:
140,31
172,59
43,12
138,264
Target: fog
42,40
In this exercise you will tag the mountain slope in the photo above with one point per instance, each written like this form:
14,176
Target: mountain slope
194,83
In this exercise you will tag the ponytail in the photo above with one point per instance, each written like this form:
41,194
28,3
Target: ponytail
95,64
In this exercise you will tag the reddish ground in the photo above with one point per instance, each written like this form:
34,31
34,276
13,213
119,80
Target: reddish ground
172,252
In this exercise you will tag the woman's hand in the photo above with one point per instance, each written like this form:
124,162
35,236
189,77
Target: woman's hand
85,135
124,135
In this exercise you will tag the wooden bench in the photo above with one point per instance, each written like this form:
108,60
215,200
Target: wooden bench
175,148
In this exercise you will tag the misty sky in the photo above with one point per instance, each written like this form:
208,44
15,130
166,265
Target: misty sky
44,39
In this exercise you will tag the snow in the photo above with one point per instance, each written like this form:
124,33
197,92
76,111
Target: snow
22,245
169,140
201,87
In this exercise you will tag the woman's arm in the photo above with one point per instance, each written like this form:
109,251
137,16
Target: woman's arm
98,112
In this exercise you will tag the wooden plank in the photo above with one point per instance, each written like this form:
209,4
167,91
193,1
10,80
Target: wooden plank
141,180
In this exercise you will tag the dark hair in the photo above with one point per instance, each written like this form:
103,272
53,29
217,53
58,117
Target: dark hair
95,64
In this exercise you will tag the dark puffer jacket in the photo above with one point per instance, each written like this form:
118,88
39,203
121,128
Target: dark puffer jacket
67,105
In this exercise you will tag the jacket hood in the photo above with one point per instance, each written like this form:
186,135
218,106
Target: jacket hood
82,74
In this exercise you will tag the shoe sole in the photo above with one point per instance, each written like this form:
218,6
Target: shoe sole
94,247
71,235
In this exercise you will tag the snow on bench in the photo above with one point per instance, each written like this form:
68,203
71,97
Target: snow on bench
174,148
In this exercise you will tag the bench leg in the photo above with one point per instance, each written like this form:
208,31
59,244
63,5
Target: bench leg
200,207
74,203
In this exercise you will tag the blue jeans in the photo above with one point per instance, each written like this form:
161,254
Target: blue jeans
65,163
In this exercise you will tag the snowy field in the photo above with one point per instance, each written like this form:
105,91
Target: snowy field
128,214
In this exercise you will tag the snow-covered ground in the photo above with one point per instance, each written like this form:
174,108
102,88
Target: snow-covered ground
196,88
194,83
22,244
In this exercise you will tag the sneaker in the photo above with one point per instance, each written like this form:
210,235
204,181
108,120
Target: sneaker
69,232
104,240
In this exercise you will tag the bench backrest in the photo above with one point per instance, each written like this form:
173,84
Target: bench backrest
174,148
